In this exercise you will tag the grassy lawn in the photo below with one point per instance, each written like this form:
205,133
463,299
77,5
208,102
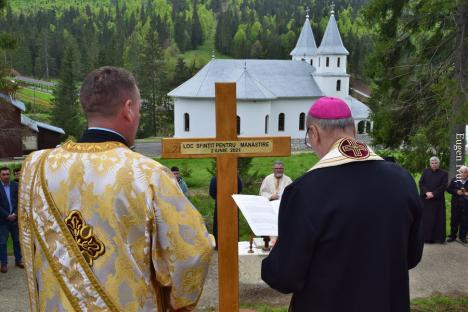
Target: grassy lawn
441,303
37,97
202,54
438,303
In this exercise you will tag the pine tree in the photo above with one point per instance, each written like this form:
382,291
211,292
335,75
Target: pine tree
181,73
152,82
66,112
6,43
197,35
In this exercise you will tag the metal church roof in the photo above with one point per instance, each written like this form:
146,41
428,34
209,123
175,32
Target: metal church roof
359,110
306,43
331,41
256,80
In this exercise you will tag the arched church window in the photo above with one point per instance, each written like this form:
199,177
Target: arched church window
338,62
312,62
361,126
238,125
186,122
327,63
338,85
281,122
301,121
266,123
368,127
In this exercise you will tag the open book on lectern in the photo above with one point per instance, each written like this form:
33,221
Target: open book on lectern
260,213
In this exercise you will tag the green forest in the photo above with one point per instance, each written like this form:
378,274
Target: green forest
412,54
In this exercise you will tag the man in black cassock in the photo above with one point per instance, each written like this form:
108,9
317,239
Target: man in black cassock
213,194
350,228
432,185
458,187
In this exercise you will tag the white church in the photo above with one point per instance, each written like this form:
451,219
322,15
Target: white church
273,96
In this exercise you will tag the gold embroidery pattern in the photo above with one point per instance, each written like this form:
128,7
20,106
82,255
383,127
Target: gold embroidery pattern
91,248
353,149
91,147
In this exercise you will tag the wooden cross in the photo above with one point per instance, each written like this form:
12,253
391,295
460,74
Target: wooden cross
226,148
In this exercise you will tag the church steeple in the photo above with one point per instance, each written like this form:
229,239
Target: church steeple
331,62
331,41
306,48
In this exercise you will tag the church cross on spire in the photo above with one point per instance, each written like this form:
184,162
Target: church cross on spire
332,6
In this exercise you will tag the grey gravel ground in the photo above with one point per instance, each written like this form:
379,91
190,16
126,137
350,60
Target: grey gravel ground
150,149
444,269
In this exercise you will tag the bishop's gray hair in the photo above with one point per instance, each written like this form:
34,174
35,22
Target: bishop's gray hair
331,124
434,158
463,169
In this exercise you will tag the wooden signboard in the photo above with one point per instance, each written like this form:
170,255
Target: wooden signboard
226,148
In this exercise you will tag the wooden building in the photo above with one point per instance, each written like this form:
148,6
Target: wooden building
11,130
19,134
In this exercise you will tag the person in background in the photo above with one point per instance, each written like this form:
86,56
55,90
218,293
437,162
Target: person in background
341,246
9,219
273,185
214,194
180,180
432,186
17,172
459,219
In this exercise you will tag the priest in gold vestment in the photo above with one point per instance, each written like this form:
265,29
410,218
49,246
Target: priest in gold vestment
104,228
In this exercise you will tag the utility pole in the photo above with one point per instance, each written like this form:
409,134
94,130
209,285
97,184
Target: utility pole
46,56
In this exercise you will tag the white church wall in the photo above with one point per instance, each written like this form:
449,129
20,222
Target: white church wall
252,115
292,108
332,64
328,85
202,116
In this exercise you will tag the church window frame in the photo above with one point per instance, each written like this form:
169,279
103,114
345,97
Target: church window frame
327,62
281,118
186,122
338,62
301,121
361,127
338,85
311,62
267,119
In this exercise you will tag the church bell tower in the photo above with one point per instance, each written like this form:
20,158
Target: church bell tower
330,71
306,48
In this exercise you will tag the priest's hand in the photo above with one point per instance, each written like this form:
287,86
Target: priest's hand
460,192
12,217
429,195
274,196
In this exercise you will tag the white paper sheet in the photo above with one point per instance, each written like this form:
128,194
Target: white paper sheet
260,213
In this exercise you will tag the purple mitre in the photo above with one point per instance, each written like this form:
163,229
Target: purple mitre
330,108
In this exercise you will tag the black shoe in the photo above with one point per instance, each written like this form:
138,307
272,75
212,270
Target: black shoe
463,240
451,239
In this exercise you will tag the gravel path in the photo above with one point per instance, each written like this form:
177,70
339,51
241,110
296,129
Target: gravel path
444,269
